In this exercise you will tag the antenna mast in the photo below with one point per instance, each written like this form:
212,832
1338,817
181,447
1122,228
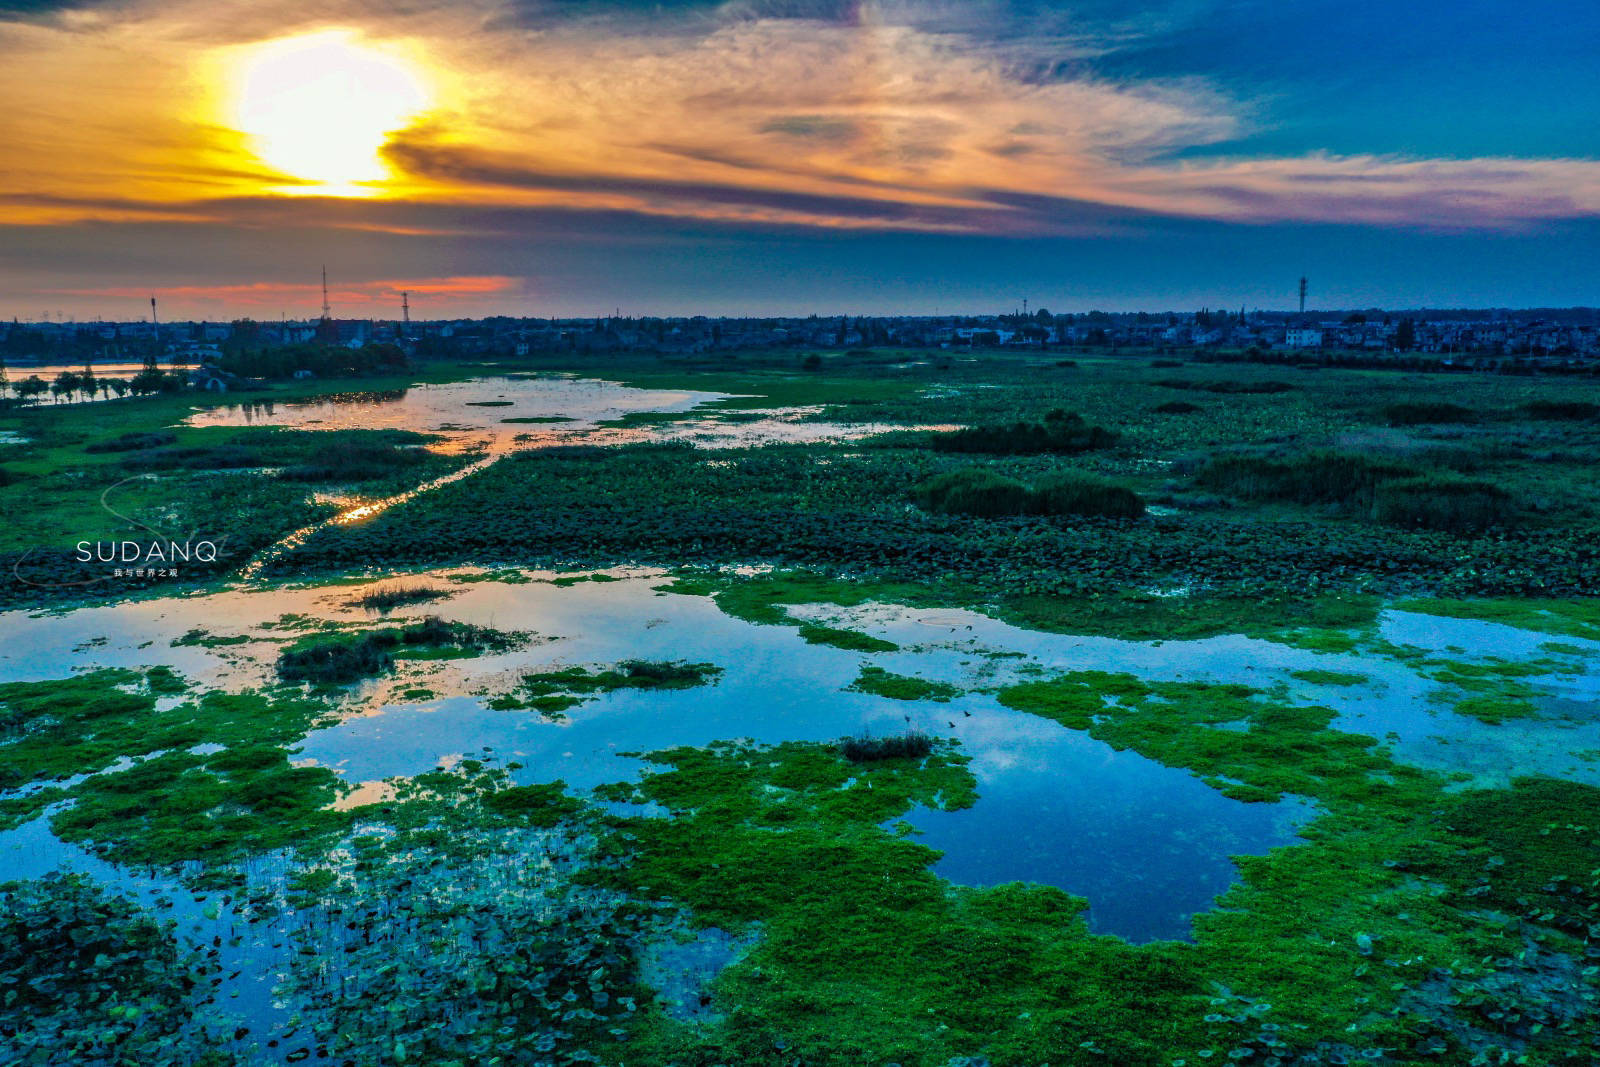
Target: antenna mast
405,310
326,310
1302,295
153,321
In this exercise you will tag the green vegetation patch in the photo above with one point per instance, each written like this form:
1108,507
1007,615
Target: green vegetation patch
1495,690
763,598
1329,622
1372,937
1567,617
1341,936
863,955
1269,749
1316,676
850,640
1322,622
882,683
1443,502
338,658
552,692
171,802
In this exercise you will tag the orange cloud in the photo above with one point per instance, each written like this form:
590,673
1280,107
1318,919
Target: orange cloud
386,292
858,124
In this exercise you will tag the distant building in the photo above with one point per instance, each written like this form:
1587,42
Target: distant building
1303,337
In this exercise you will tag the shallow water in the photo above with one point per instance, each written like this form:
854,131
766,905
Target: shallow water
1148,845
1161,839
470,414
1395,704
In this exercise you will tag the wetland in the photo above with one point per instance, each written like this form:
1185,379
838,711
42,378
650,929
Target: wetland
979,710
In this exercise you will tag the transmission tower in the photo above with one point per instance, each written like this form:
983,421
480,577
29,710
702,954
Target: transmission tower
1302,295
326,310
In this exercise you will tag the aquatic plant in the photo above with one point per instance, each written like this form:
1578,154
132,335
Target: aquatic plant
849,640
461,935
883,683
1317,676
1075,493
92,979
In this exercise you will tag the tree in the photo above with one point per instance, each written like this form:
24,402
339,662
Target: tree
87,385
31,387
146,381
1405,335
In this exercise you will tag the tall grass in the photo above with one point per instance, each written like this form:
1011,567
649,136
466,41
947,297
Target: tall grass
395,596
1074,493
339,658
353,462
1060,431
1422,414
1443,502
1394,493
1313,478
130,442
1561,410
975,491
984,493
867,749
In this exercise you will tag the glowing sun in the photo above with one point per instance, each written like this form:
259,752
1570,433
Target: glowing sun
319,107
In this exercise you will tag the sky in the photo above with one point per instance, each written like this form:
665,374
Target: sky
750,157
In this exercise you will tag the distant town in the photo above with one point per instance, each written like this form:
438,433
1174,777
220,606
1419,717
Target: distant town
220,355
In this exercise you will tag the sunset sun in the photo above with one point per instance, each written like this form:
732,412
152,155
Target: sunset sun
319,107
